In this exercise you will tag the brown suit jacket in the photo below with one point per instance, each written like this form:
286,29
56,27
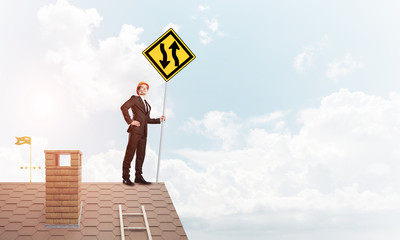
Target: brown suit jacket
139,113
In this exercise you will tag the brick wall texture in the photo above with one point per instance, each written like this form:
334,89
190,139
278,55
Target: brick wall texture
63,187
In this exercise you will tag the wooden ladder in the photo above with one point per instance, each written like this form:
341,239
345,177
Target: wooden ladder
121,221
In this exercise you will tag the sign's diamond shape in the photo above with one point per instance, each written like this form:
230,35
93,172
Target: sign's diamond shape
169,54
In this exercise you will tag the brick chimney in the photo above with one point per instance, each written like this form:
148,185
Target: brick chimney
63,189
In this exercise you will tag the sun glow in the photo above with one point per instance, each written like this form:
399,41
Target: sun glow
42,105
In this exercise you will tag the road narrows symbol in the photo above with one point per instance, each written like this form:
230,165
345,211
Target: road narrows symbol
164,61
174,46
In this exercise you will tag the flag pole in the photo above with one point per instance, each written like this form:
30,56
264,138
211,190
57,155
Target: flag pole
30,158
161,135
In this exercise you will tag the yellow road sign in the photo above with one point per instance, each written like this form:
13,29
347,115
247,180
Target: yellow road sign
169,54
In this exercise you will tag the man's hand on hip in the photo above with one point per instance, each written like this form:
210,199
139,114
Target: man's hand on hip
135,123
163,118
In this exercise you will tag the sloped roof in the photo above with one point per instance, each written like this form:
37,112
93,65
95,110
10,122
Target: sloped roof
22,212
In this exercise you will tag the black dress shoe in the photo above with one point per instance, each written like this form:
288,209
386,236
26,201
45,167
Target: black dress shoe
128,182
141,180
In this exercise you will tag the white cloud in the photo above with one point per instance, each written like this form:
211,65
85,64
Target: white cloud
205,37
43,104
67,26
103,167
379,169
267,117
305,59
171,25
342,67
96,77
212,24
343,160
228,130
217,125
203,7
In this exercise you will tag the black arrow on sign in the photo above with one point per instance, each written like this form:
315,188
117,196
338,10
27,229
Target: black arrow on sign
174,47
163,62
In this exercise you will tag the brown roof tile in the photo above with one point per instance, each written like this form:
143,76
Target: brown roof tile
8,207
12,200
24,238
106,218
90,200
92,207
180,231
34,214
27,231
73,235
105,211
177,222
22,203
40,235
155,231
90,231
22,212
104,235
3,222
153,222
136,235
13,226
89,238
105,204
29,223
132,204
7,214
167,226
90,222
118,200
36,207
171,236
105,226
39,199
17,218
9,235
160,211
57,232
57,238
91,214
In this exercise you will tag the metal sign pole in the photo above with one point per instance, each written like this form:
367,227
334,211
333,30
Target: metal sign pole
161,135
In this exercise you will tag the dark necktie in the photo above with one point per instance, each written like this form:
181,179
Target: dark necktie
146,105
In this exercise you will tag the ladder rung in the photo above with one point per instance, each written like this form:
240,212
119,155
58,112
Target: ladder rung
135,228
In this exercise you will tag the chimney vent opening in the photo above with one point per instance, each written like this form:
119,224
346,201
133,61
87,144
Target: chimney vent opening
65,160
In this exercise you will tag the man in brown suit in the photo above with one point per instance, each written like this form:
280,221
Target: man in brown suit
137,133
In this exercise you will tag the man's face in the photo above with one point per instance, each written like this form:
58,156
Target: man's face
142,90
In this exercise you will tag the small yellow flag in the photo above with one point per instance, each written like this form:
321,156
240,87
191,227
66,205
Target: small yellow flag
23,140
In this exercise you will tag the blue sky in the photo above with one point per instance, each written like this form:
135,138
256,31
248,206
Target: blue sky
285,126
